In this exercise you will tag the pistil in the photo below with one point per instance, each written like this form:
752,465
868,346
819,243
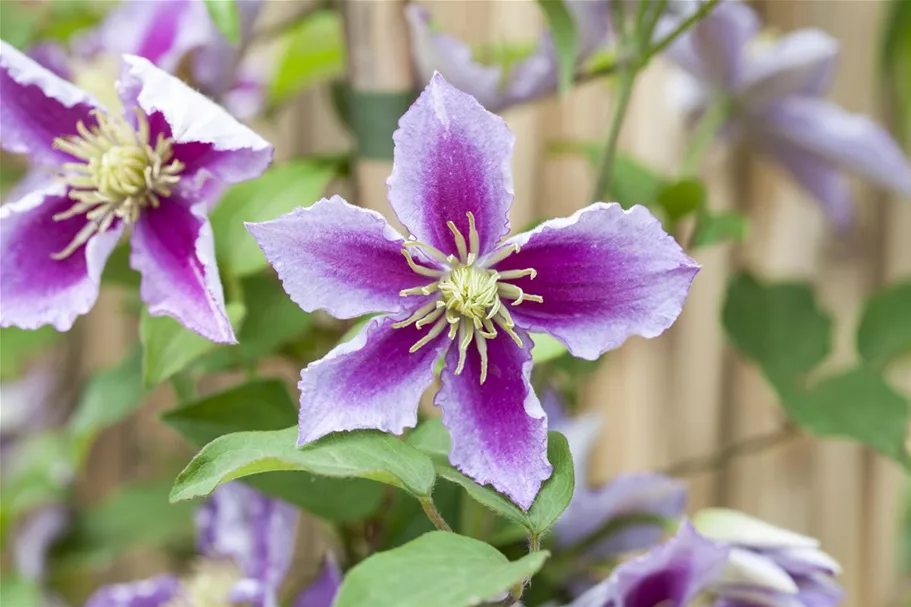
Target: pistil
470,295
120,173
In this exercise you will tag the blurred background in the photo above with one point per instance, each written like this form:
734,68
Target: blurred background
674,404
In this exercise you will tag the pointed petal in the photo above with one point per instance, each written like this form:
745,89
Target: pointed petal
624,495
38,290
162,32
372,381
852,141
820,591
754,570
37,106
174,250
732,526
671,575
605,274
53,57
215,63
257,532
210,141
799,63
819,177
806,561
713,50
338,257
321,592
154,592
498,428
439,52
451,157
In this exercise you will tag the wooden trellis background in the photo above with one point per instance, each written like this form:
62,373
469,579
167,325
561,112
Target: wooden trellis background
685,395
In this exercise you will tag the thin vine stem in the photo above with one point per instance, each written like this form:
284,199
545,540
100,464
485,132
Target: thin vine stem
606,170
434,515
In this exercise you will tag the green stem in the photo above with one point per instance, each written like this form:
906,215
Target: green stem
434,515
605,172
704,135
184,387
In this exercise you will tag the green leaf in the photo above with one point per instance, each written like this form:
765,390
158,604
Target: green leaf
18,24
432,438
266,405
439,569
885,327
280,190
110,396
565,38
779,326
362,454
856,404
19,347
712,228
17,591
224,15
546,348
41,472
314,51
634,183
682,198
258,405
169,347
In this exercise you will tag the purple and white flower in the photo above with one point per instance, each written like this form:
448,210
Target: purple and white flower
246,544
624,504
776,94
670,575
769,566
592,280
533,77
157,169
166,33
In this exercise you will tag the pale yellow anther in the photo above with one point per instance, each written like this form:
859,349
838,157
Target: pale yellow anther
120,174
209,584
471,295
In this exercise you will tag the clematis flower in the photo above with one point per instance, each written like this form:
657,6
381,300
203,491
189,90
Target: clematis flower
769,566
246,543
533,77
776,94
457,290
670,575
618,504
157,169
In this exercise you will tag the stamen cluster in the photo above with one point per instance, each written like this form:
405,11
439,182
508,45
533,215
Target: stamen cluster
208,585
470,295
120,174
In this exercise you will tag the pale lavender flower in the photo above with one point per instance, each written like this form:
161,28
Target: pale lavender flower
158,169
246,543
533,77
670,575
777,99
591,280
626,496
769,566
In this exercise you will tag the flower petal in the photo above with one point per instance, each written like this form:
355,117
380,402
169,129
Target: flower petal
806,561
851,141
154,592
434,51
799,63
498,428
53,57
257,532
162,32
36,289
605,274
624,495
215,63
338,257
750,569
321,592
671,575
209,140
372,381
732,526
35,536
581,433
712,50
820,591
174,250
451,157
37,106
819,177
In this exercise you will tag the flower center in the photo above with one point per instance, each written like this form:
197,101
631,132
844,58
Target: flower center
208,585
469,295
120,174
